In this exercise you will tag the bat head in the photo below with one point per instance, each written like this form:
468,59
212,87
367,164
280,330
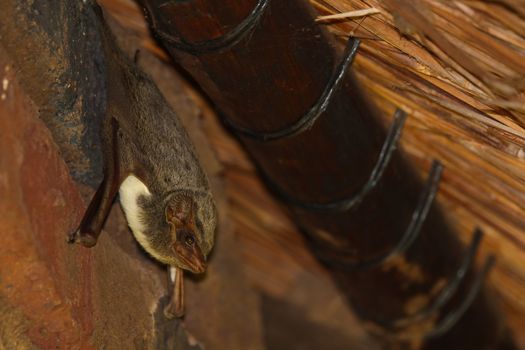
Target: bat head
177,229
192,218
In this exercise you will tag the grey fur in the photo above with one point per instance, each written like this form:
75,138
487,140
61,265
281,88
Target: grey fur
154,146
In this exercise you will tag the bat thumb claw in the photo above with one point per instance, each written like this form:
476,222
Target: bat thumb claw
73,237
86,239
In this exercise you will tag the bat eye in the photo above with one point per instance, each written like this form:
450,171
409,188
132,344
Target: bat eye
189,240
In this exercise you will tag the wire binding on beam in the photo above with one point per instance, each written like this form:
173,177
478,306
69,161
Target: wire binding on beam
221,43
449,290
452,318
345,204
308,119
396,328
414,228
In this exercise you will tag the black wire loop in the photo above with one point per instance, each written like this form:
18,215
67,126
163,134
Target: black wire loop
450,289
221,43
450,320
345,204
412,232
308,119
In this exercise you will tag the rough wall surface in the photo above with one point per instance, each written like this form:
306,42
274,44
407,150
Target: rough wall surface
57,56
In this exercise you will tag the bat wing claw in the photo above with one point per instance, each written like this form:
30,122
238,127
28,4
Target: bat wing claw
73,237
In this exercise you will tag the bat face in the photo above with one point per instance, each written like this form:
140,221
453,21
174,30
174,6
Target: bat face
180,232
186,236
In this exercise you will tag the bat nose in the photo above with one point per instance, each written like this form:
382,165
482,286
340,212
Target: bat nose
193,259
200,268
196,265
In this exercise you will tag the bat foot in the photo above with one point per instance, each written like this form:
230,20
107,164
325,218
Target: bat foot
172,310
175,307
83,238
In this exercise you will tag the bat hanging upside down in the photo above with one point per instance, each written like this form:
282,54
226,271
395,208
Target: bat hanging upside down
151,162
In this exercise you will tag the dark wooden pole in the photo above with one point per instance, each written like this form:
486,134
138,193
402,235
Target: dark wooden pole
266,65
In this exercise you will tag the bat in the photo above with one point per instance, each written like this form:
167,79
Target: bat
151,163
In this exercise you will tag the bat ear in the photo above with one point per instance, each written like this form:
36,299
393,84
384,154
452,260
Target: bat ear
180,211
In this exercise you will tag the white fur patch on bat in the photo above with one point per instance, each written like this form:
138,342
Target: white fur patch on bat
130,191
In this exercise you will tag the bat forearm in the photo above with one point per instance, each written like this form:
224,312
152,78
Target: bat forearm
100,205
